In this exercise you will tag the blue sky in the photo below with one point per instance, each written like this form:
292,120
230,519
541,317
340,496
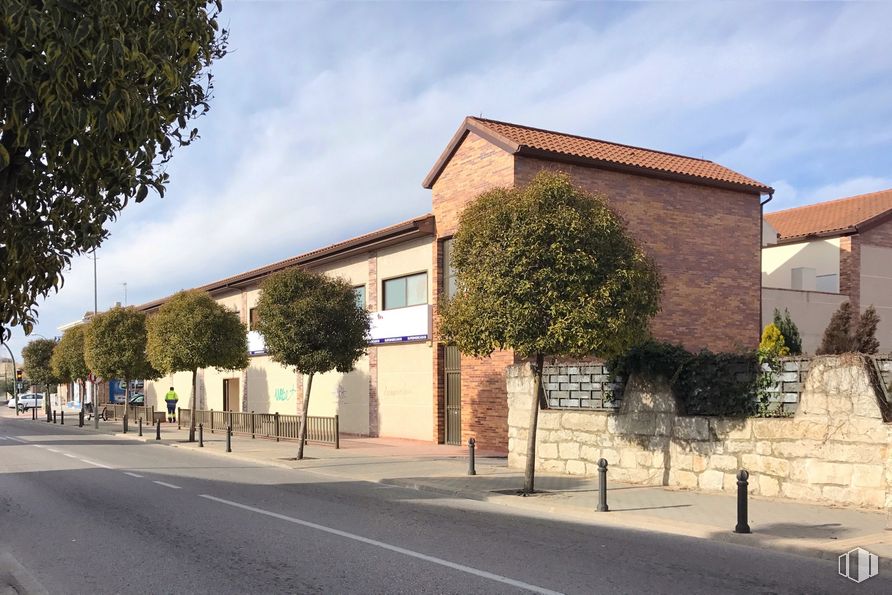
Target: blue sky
328,116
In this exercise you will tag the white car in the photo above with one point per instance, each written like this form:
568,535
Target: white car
28,401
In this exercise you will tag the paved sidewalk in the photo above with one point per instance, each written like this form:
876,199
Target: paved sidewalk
780,524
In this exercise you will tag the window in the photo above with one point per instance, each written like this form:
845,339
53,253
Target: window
359,291
253,317
450,279
405,291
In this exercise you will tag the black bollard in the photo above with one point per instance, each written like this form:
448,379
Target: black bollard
62,418
228,438
742,513
80,418
140,426
158,430
201,435
34,414
602,486
124,423
49,417
471,446
54,416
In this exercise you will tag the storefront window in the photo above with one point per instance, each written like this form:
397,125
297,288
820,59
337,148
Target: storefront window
405,291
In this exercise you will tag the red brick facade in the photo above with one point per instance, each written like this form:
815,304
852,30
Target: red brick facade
706,241
850,269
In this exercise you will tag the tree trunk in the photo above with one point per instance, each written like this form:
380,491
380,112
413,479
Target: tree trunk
530,471
303,419
46,402
192,405
126,400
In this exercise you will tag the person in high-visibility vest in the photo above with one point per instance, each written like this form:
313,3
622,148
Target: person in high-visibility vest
171,399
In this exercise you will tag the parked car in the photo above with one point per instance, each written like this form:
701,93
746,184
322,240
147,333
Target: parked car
137,400
28,401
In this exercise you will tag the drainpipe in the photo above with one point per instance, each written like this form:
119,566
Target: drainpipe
761,227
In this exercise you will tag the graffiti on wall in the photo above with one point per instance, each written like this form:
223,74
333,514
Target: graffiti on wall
284,394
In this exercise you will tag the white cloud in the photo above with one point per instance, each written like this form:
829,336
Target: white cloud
327,118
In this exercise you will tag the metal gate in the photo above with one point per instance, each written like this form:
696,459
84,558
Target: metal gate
453,394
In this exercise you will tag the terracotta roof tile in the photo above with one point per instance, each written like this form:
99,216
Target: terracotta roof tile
570,145
825,218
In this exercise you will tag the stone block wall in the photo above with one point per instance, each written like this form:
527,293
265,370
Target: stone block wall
836,449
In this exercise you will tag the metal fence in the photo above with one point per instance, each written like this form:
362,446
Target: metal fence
323,430
116,411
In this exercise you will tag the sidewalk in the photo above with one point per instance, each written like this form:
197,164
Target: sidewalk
807,529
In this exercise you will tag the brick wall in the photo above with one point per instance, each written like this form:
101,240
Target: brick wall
850,269
706,242
476,166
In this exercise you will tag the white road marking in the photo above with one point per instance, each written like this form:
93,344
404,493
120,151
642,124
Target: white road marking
17,440
70,456
168,485
94,463
53,450
132,474
2,437
393,548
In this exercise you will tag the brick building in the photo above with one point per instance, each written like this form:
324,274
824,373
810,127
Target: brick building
827,253
700,221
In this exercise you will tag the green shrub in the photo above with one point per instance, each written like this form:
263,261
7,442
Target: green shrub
789,330
773,342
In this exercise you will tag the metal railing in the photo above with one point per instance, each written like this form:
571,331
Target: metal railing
322,430
134,412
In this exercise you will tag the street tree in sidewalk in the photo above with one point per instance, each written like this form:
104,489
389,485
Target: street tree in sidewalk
547,269
68,360
95,96
37,363
192,331
312,323
115,347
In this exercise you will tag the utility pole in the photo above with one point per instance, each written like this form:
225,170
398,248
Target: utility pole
94,397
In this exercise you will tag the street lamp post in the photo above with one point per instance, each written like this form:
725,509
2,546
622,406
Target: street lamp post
15,384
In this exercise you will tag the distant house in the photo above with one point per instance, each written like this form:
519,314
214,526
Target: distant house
825,254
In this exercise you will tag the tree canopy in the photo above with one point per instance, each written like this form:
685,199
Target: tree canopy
312,323
547,269
840,337
115,346
94,98
789,330
37,357
68,357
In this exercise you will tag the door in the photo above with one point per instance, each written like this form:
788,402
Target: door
453,394
231,395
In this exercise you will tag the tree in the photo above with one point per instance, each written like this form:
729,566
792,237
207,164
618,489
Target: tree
773,342
68,360
37,356
789,330
94,98
865,340
192,331
115,347
312,323
838,334
547,269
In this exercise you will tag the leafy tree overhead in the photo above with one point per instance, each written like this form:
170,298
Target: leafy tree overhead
37,364
547,269
312,323
789,330
115,347
68,360
192,331
94,98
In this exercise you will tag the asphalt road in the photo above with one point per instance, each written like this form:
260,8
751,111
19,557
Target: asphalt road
84,513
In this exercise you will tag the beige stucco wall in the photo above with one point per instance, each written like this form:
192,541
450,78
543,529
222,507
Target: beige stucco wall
405,259
778,261
810,310
836,449
344,395
405,390
876,288
212,383
272,388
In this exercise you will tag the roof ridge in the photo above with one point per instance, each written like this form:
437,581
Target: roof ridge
829,202
597,140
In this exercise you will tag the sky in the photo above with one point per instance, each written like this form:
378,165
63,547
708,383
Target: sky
327,116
